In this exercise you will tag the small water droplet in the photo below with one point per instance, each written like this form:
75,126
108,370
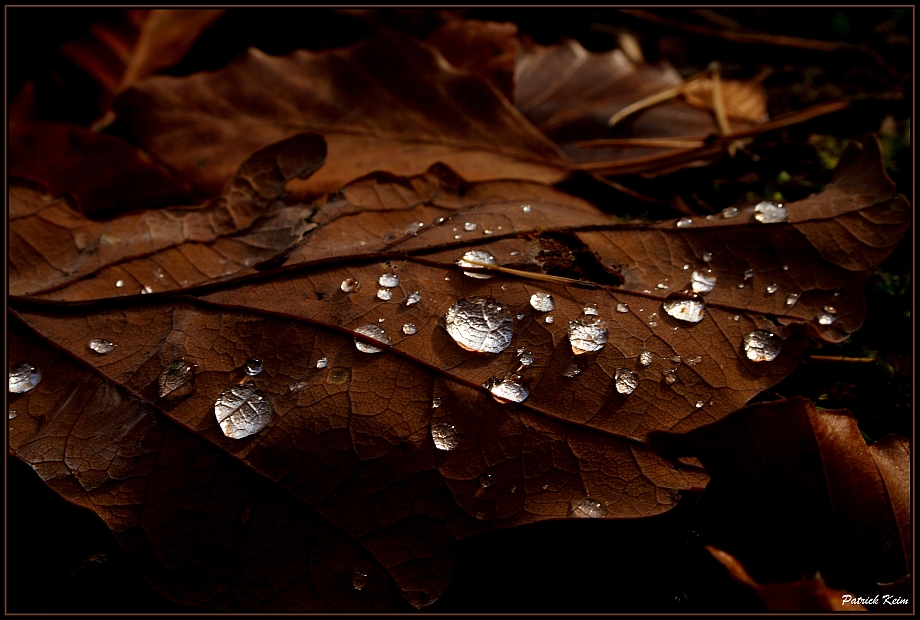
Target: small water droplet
508,389
762,346
469,227
485,481
178,380
513,253
13,414
527,358
381,320
447,279
413,298
736,318
545,487
670,376
836,292
388,280
242,411
514,489
487,231
662,286
785,267
792,299
384,294
101,345
772,288
686,266
371,331
676,359
520,317
707,257
252,366
626,381
23,378
748,274
702,283
830,309
409,329
549,319
741,285
435,402
587,333
444,436
322,362
542,302
120,283
359,579
588,509
770,213
699,404
591,309
729,212
693,361
526,208
571,371
684,222
825,318
479,256
479,324
146,290
685,307
621,307
646,358
458,237
349,285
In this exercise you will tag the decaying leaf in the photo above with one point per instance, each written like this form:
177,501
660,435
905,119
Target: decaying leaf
812,469
486,49
388,104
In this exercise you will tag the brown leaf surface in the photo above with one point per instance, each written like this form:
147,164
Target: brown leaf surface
486,49
800,596
388,104
813,469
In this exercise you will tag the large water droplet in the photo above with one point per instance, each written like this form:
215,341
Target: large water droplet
508,389
485,481
23,377
684,222
372,331
101,345
572,370
444,436
770,213
588,509
413,298
322,362
762,346
384,294
646,358
729,212
621,307
252,366
469,227
349,285
409,329
542,302
242,411
178,380
685,307
388,280
702,283
626,381
359,579
479,256
479,324
587,333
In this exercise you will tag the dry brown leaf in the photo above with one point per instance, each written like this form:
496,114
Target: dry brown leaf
486,49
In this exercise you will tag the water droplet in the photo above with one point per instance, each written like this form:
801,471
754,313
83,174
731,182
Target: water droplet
748,274
436,402
830,309
513,253
146,290
702,283
252,366
388,280
707,257
770,213
591,309
652,319
587,333
178,380
571,371
772,288
458,237
413,228
487,231
12,415
508,389
526,208
413,298
741,285
372,331
670,376
549,319
349,285
736,318
119,283
322,362
684,222
836,292
545,487
785,267
527,358
762,346
825,318
101,345
729,212
792,299
384,294
409,329
676,359
693,361
479,256
520,317
542,302
444,436
381,320
479,324
469,227
685,307
359,580
626,381
621,307
646,358
663,286
514,489
588,509
485,481
23,377
242,411
686,266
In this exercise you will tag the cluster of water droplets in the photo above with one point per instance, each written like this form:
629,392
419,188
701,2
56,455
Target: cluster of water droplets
827,315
